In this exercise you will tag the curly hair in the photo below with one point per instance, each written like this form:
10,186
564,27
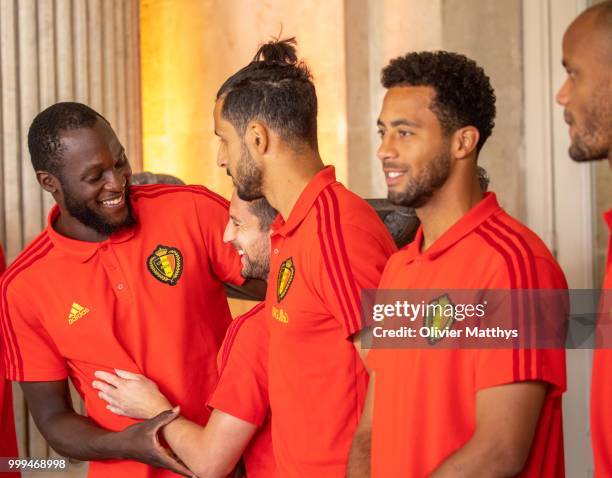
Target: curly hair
44,141
463,92
276,88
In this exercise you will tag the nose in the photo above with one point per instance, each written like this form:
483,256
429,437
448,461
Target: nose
221,159
386,150
562,95
117,181
229,233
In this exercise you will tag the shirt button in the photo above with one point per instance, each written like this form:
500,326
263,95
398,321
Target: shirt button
112,267
104,247
275,251
120,286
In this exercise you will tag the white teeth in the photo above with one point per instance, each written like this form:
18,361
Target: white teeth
113,202
240,252
394,174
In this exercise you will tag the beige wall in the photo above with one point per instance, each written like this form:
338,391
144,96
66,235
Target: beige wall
188,52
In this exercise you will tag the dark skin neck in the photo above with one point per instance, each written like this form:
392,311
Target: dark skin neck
68,226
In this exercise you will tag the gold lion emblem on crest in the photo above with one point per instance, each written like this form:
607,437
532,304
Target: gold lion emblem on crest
286,273
166,264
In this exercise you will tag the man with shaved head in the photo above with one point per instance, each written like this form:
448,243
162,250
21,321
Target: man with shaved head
586,97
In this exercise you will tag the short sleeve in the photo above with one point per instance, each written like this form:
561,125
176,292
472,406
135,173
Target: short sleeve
213,214
29,352
242,389
502,366
353,259
494,367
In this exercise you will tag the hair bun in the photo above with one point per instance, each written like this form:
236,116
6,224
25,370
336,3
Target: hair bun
281,51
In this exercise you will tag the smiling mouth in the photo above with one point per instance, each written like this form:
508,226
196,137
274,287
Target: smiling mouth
114,202
392,177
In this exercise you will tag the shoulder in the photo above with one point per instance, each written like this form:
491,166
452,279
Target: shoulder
511,246
344,217
161,193
29,265
248,329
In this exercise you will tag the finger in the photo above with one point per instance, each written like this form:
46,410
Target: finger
128,375
164,418
108,399
116,410
109,378
103,387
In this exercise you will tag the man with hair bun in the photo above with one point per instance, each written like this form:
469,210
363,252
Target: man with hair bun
586,96
449,412
326,246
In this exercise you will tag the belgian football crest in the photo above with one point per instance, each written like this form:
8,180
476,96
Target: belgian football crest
166,264
286,273
438,318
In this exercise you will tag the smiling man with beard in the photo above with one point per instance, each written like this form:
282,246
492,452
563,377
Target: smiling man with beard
122,277
451,412
240,421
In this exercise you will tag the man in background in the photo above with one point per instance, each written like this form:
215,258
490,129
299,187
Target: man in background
586,96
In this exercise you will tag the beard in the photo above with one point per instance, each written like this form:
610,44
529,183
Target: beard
258,268
94,220
420,189
248,177
593,141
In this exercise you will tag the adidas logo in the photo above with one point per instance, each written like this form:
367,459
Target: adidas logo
76,312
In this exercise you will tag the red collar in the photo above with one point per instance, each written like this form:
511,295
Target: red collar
309,195
487,206
82,251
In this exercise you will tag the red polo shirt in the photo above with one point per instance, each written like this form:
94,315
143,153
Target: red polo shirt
424,400
601,390
242,390
332,245
149,299
8,441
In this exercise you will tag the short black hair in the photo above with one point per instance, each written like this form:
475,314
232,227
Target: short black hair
264,212
277,89
44,134
464,95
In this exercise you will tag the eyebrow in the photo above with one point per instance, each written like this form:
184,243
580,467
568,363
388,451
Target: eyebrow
400,122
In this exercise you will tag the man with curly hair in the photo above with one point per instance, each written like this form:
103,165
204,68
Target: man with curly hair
456,412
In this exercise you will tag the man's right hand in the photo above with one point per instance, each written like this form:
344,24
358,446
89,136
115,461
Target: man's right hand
78,437
142,443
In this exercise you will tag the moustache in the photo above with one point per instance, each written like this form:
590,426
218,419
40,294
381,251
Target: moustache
567,116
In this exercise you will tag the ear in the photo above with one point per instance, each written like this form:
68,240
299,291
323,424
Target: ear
257,137
464,142
48,181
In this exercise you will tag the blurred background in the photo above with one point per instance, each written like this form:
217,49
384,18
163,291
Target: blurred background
152,67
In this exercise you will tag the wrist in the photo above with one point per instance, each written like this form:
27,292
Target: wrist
110,445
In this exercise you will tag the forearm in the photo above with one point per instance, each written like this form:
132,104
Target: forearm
197,448
477,459
78,437
359,457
